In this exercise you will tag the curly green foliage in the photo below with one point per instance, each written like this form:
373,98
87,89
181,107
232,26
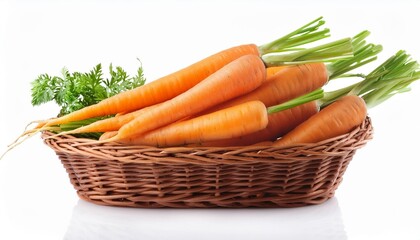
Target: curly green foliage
73,91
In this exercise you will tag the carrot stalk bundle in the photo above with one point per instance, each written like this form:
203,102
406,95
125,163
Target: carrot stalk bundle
391,77
364,53
322,53
306,34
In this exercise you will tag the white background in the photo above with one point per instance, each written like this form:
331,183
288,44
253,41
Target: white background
378,198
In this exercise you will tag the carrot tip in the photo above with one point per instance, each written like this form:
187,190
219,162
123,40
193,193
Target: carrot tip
24,134
20,140
7,150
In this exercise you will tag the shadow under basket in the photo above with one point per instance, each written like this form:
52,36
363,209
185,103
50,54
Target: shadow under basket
202,177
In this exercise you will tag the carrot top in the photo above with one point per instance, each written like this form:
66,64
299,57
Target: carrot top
75,90
391,77
363,53
308,33
287,49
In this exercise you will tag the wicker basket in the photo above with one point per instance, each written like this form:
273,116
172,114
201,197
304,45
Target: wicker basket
253,176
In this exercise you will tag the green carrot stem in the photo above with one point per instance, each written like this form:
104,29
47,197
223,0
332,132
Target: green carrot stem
398,66
385,91
306,34
73,125
323,53
331,96
344,55
312,96
63,128
348,75
391,77
363,54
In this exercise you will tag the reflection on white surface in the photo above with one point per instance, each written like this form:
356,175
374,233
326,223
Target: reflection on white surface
91,221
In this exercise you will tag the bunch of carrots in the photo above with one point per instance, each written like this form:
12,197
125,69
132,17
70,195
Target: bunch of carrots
270,94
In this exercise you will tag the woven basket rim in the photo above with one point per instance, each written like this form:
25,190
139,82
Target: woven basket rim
356,139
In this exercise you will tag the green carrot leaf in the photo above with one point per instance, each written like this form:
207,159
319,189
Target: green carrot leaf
74,90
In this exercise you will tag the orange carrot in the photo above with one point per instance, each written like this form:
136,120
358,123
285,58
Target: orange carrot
235,79
278,124
336,119
161,89
223,124
287,84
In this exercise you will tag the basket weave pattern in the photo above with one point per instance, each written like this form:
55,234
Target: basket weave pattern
254,176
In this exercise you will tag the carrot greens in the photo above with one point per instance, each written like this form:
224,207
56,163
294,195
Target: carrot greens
391,77
363,53
73,91
308,33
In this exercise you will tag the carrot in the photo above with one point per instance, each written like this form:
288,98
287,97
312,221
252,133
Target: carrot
278,124
287,84
336,119
236,78
223,124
